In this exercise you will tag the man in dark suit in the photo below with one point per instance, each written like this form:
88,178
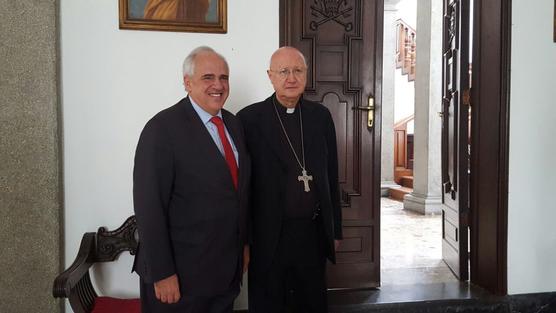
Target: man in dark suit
190,185
296,216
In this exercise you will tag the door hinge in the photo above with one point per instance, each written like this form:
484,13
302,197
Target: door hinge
466,97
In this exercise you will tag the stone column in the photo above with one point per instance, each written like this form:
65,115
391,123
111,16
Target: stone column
388,85
30,176
426,196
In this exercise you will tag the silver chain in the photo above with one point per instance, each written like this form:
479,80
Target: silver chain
288,138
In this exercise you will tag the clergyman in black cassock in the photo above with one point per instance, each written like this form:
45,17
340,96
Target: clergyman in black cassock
295,206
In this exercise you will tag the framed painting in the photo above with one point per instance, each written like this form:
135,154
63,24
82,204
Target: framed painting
554,35
203,16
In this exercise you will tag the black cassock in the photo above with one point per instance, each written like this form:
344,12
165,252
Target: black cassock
293,231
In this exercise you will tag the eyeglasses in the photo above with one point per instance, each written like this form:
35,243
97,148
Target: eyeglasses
285,72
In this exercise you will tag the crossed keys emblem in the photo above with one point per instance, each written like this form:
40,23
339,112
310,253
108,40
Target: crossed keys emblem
329,10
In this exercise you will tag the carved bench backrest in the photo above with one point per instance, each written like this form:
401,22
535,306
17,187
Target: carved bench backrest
109,244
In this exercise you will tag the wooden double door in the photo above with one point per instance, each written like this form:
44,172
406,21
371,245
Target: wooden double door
342,41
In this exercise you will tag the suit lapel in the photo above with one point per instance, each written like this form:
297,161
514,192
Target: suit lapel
205,148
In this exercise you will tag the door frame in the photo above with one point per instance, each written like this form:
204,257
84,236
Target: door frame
490,102
490,121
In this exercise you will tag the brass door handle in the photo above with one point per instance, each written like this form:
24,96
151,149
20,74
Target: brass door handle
370,111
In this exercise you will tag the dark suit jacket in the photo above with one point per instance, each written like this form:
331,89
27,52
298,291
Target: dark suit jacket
191,219
268,179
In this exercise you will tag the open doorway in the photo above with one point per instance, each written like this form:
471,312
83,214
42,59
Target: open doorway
413,221
348,80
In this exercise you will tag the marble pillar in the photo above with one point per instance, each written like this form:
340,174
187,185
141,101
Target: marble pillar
30,170
426,196
388,97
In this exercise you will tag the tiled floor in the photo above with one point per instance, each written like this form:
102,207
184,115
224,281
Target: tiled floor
411,247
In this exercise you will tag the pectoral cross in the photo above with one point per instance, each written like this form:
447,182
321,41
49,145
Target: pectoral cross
305,178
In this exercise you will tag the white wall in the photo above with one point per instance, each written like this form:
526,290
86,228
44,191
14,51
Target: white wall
407,11
404,103
531,202
404,99
112,82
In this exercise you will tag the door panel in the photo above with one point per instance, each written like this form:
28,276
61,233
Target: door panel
342,41
455,137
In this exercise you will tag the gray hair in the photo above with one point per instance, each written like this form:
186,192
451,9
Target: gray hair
189,62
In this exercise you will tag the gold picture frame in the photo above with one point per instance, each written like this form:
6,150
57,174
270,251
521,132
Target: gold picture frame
199,16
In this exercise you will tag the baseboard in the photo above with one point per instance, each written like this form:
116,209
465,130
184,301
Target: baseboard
535,302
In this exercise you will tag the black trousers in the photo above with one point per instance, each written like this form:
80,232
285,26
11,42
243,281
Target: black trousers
221,303
296,279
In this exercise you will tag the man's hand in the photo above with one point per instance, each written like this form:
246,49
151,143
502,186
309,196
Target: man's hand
167,290
336,244
245,258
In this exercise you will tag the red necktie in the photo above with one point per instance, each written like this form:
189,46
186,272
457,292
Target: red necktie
228,152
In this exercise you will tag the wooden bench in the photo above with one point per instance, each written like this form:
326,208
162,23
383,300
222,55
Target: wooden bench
103,246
